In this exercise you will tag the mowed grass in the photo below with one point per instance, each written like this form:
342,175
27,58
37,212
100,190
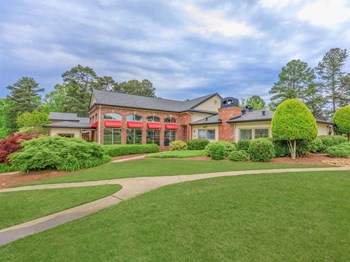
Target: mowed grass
177,154
160,167
270,217
19,207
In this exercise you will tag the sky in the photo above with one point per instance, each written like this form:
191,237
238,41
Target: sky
186,48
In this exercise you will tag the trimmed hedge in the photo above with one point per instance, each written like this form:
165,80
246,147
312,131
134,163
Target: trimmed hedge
67,154
228,146
178,145
239,155
122,150
216,150
261,150
341,150
332,140
243,144
197,144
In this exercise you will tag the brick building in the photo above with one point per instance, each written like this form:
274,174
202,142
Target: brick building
116,118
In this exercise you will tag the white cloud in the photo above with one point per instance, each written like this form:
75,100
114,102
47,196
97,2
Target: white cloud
325,13
211,22
278,4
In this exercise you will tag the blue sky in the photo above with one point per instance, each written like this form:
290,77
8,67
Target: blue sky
186,48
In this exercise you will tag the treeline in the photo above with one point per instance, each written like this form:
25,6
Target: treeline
24,107
323,89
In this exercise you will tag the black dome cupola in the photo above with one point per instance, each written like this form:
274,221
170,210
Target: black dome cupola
229,102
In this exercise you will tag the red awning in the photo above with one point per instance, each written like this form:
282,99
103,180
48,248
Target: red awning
154,126
94,124
171,126
113,123
134,124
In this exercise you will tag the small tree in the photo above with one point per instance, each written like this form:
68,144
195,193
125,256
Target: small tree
33,121
293,122
341,119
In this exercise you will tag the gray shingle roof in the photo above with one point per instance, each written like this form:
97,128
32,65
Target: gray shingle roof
134,101
67,124
256,115
208,120
63,116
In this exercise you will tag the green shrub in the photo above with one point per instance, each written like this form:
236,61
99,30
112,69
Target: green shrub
303,147
4,168
329,141
243,144
229,147
178,145
261,150
341,150
197,144
122,150
317,146
341,119
216,150
281,148
67,154
239,155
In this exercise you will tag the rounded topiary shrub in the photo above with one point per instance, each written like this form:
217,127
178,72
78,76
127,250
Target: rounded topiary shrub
341,119
215,150
261,150
178,145
243,144
239,155
67,154
229,147
341,150
197,144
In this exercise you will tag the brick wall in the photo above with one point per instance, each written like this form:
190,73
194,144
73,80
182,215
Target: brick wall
226,131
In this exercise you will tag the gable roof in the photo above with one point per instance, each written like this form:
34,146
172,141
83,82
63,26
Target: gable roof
133,101
256,115
63,116
208,120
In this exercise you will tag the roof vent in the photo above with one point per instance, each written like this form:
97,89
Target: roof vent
263,112
206,119
243,111
229,102
249,108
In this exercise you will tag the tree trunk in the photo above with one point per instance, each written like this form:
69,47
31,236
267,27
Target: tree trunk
292,145
349,137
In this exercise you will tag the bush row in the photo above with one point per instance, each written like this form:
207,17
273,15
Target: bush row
122,150
67,154
340,150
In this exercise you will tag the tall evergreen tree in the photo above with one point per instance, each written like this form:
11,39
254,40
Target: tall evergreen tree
331,71
135,87
25,95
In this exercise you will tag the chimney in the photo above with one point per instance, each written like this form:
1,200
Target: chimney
263,112
229,109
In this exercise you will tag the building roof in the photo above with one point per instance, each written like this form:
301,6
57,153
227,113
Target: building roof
208,120
142,102
257,115
67,124
63,116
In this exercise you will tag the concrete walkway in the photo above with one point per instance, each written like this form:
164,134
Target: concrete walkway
131,187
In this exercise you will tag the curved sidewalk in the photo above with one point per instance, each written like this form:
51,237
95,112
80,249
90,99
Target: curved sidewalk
131,187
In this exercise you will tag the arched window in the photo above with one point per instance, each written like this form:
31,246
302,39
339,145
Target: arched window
134,117
113,116
170,120
153,119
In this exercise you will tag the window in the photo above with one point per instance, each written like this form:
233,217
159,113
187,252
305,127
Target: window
113,116
66,135
134,136
153,137
153,119
206,134
169,136
245,134
112,136
261,133
170,120
134,118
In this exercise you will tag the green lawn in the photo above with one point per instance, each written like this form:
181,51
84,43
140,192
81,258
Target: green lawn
161,167
279,217
177,154
19,207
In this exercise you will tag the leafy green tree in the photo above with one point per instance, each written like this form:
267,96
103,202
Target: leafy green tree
33,122
293,123
135,87
331,71
106,83
25,95
7,125
341,119
256,101
54,101
297,80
